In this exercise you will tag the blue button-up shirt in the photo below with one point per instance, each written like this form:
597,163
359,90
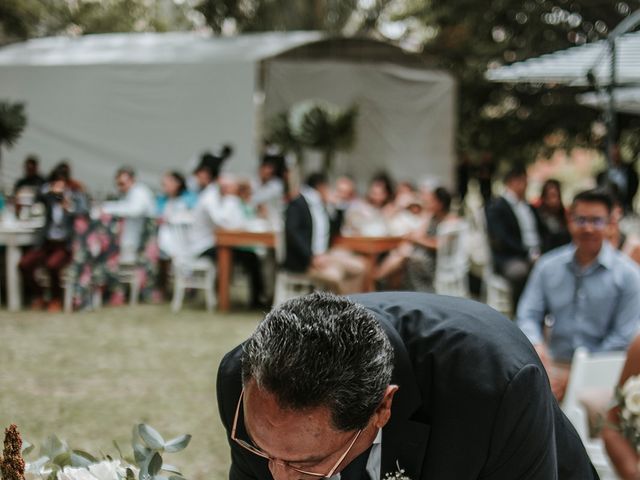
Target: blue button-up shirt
597,307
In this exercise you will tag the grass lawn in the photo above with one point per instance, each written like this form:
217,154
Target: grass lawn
89,377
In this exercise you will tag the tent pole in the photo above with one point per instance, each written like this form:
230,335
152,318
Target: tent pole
611,107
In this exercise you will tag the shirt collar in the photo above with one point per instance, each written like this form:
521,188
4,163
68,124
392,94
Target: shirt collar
511,197
605,257
311,195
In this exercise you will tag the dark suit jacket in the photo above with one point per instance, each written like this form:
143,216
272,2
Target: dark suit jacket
505,237
298,230
474,401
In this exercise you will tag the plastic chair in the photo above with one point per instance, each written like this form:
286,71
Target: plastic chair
452,260
591,372
189,270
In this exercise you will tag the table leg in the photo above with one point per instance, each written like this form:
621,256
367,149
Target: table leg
224,276
14,295
369,280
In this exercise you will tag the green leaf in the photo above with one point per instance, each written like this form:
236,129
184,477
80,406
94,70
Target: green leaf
115,444
52,447
141,453
82,459
62,460
176,477
130,475
155,464
177,444
150,437
170,468
27,448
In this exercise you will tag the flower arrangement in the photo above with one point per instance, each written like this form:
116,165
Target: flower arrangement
627,398
57,461
397,475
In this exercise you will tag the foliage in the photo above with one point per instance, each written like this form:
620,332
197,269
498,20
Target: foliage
57,461
12,122
316,125
514,122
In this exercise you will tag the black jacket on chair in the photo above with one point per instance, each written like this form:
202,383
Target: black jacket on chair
298,234
474,400
505,237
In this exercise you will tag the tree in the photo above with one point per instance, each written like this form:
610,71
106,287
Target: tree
12,123
512,122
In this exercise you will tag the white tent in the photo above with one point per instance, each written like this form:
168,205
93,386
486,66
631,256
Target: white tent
156,101
572,66
626,100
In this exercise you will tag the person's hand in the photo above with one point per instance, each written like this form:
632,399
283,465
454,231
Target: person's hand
413,236
319,261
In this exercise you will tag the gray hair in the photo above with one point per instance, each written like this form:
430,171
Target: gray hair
321,350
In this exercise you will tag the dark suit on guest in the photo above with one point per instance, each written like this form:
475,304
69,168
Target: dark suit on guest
507,247
474,401
298,230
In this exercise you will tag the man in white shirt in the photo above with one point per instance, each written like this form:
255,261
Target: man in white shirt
136,205
514,232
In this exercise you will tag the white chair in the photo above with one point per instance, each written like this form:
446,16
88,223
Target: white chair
189,270
591,373
452,260
288,284
497,291
128,274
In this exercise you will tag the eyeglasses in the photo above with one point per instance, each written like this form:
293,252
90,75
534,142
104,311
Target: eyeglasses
262,454
598,223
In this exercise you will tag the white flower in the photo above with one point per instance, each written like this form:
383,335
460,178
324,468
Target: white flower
631,392
71,473
108,470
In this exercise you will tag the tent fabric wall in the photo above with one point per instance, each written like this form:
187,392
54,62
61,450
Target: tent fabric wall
406,116
153,117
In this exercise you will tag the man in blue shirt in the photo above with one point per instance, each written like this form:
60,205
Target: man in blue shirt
589,291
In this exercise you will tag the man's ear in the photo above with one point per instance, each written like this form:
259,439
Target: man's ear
383,412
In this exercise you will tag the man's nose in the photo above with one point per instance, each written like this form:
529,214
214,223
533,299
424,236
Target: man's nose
279,471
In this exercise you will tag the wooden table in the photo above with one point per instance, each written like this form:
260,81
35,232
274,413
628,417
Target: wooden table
225,241
13,236
370,248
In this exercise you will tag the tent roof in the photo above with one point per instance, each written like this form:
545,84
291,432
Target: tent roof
627,100
152,48
572,65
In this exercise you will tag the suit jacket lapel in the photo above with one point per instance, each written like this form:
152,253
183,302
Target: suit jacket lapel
404,441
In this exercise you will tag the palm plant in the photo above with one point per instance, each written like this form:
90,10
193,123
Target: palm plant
13,121
316,125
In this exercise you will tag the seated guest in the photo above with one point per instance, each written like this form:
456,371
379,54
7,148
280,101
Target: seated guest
416,257
268,195
369,217
629,244
588,290
136,205
514,232
65,168
553,216
307,241
53,248
32,178
392,386
622,453
343,196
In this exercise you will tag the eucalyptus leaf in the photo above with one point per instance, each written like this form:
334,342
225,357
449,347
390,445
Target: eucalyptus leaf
27,448
38,464
155,464
52,447
170,468
151,437
141,453
81,459
62,460
176,477
177,444
130,475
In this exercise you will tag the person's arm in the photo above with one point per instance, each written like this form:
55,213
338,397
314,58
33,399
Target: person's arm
622,454
532,308
523,444
134,204
626,317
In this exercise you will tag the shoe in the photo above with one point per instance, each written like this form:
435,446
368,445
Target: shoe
55,306
38,304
